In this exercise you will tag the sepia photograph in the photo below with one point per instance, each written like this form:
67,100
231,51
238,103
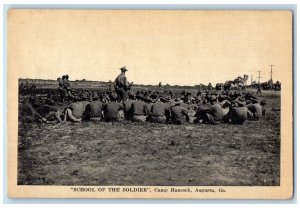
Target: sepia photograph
174,101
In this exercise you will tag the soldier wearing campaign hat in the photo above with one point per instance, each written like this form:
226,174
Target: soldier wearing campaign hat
122,86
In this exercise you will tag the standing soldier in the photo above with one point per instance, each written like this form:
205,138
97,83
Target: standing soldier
67,87
122,85
258,89
66,83
61,87
160,87
209,87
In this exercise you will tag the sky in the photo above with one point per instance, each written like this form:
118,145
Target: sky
172,47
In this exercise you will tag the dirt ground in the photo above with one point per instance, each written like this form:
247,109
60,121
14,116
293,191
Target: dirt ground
126,153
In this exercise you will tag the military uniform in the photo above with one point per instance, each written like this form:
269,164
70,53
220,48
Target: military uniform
122,85
139,111
111,111
78,108
60,81
238,115
60,86
158,112
212,114
127,109
179,114
39,111
258,90
256,109
94,110
149,107
28,112
66,83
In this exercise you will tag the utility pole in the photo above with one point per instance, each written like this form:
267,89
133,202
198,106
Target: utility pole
251,79
259,76
272,71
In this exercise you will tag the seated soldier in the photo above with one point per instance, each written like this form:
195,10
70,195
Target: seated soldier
225,104
75,111
184,105
188,98
179,115
66,82
95,96
191,107
127,105
93,111
159,112
85,95
71,95
149,103
112,108
238,113
257,109
139,109
166,99
50,100
42,112
105,98
210,113
249,97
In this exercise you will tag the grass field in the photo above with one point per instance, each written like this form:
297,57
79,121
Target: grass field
126,153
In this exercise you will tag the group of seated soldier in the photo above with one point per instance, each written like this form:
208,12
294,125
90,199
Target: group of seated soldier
35,109
147,106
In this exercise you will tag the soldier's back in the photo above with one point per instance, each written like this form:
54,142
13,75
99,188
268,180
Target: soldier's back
256,109
60,82
66,83
177,114
217,112
138,107
78,108
94,109
121,79
158,109
111,110
127,108
239,115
